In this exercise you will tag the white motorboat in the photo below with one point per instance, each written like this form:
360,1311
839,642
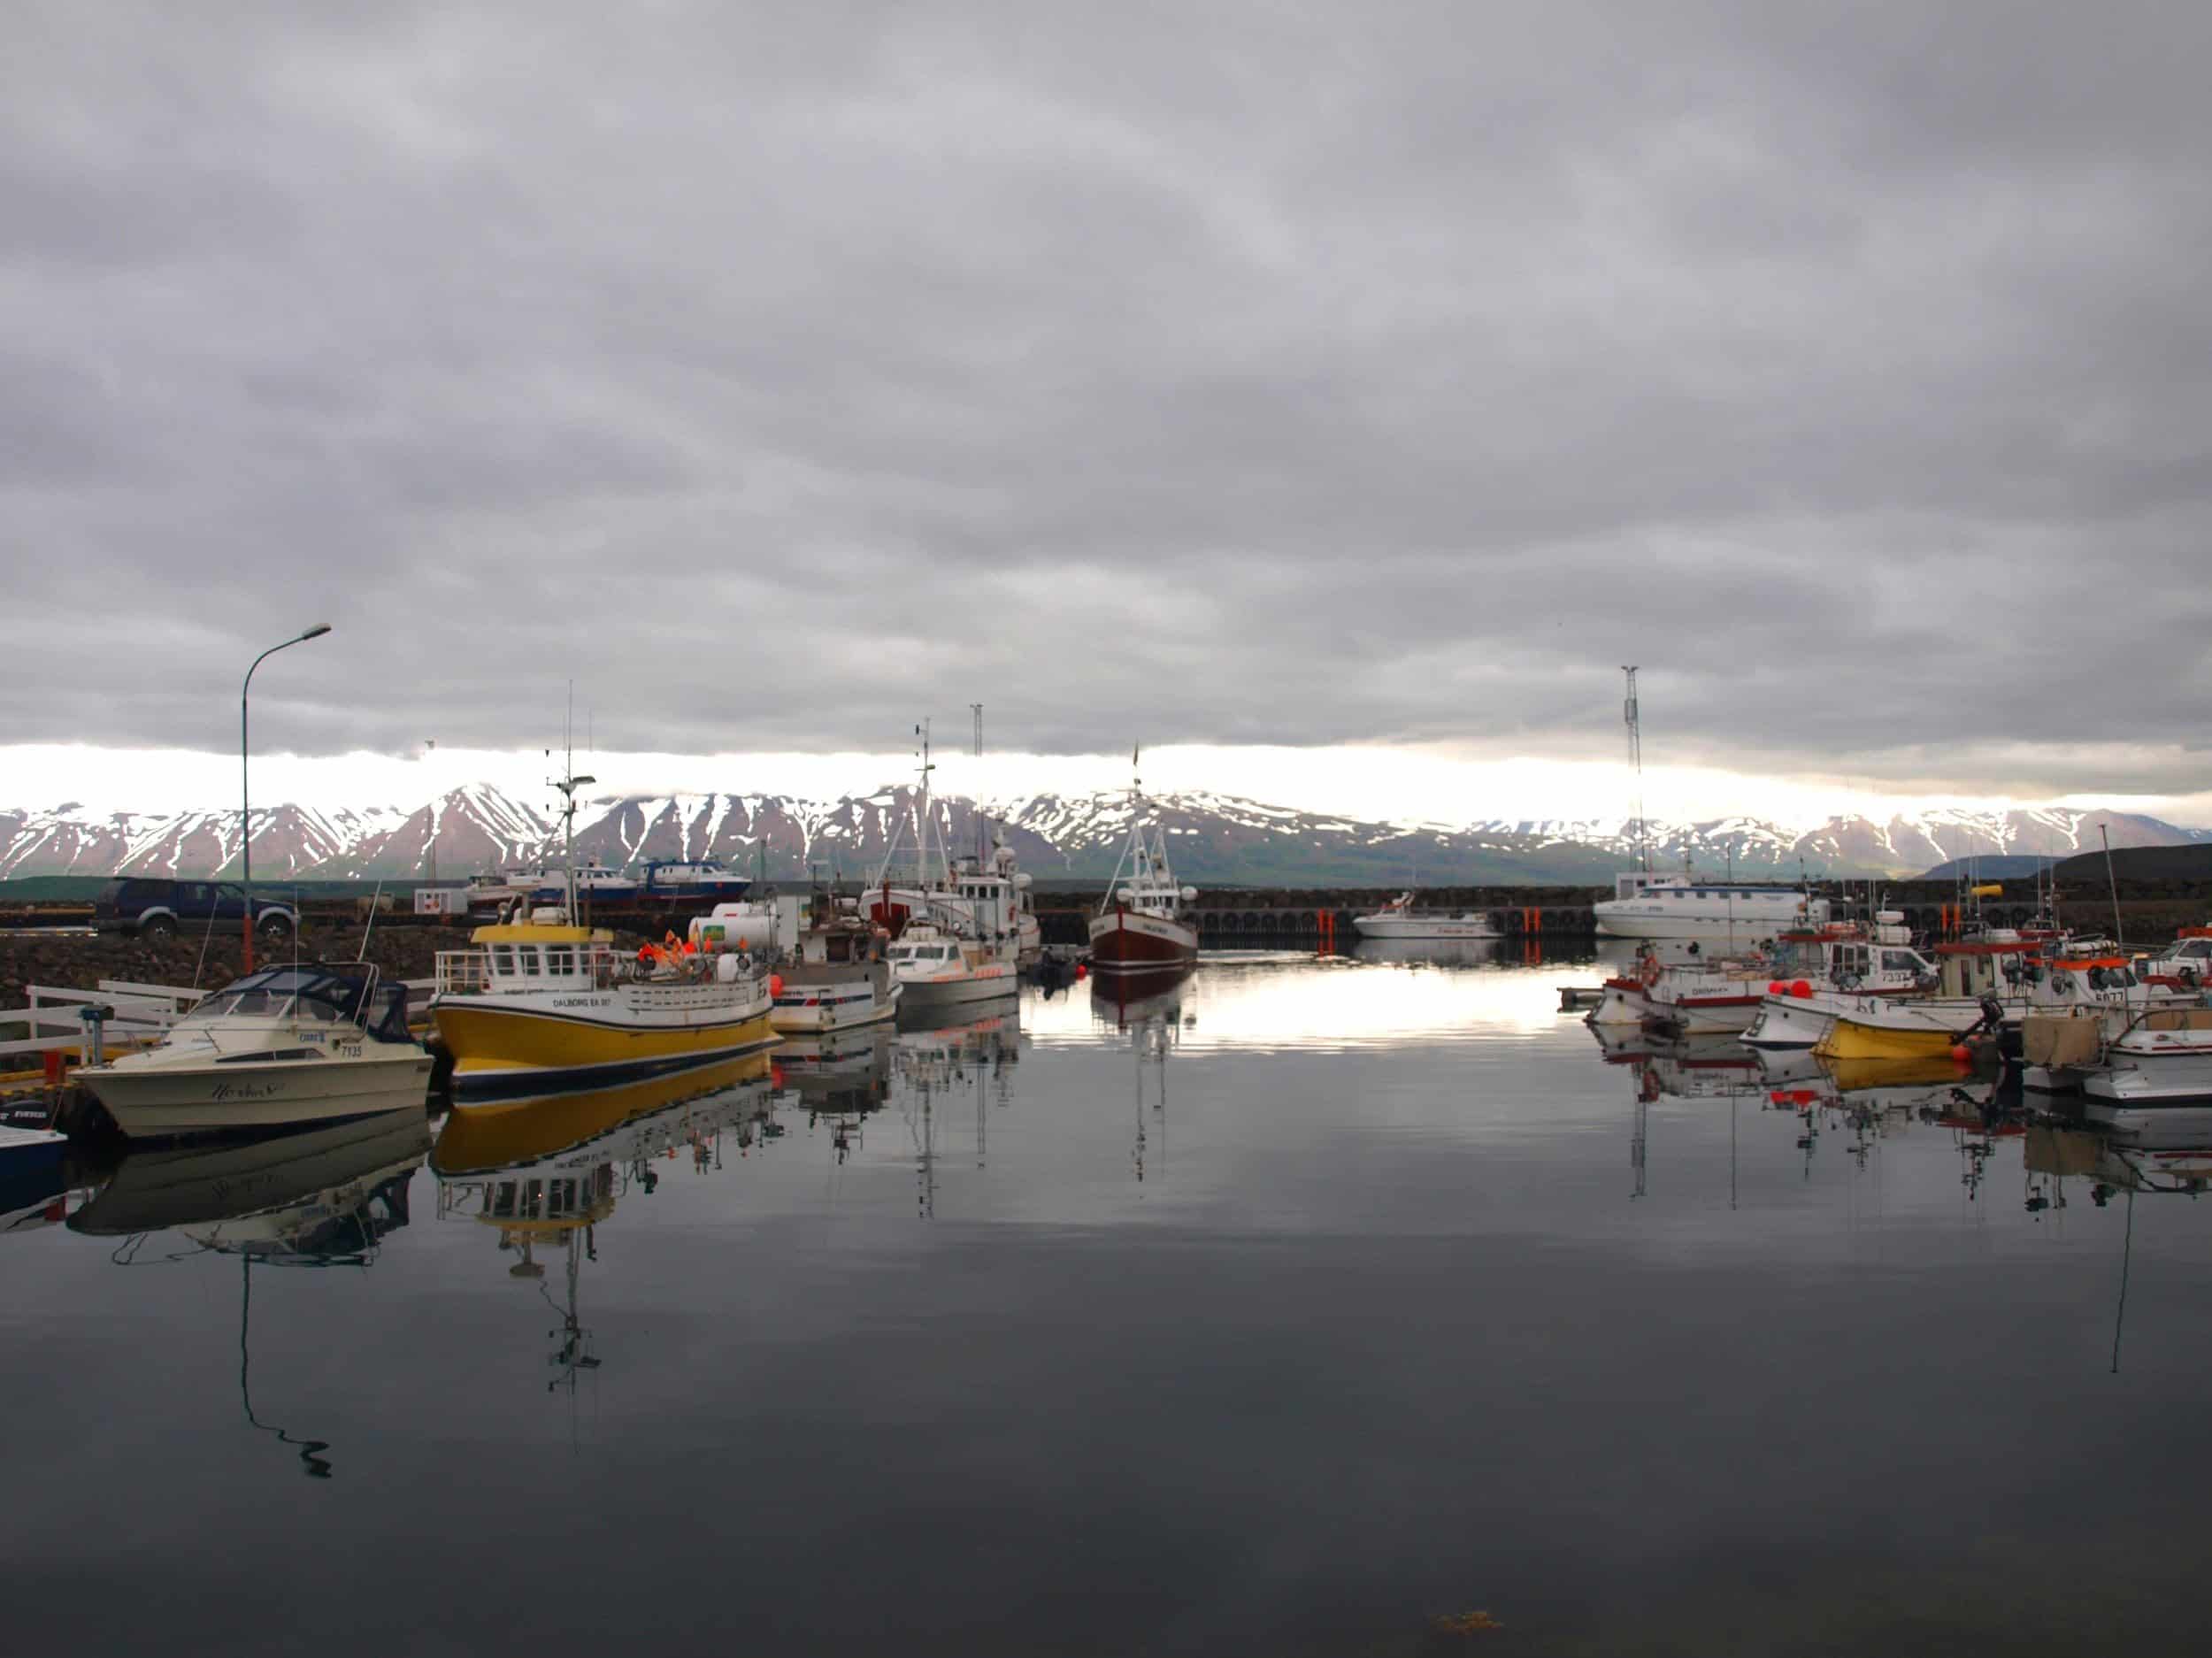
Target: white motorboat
2163,1059
933,969
310,1042
1400,920
1687,906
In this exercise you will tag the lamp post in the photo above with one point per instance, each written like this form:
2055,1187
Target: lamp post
245,801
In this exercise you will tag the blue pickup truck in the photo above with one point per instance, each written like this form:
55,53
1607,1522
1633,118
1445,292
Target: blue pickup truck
149,908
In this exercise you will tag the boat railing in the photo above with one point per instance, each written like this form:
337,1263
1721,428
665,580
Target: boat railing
464,972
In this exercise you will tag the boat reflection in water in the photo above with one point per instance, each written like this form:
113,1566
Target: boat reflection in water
1467,952
2112,1168
932,1069
544,1175
839,1079
1865,1100
322,1197
1149,1011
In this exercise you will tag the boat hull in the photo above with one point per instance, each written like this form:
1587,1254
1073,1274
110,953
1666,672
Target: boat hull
154,1101
1922,1030
1129,941
1706,1016
2148,1082
991,982
1789,1022
802,1014
1624,1003
506,1047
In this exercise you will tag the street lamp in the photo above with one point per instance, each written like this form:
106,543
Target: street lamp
245,804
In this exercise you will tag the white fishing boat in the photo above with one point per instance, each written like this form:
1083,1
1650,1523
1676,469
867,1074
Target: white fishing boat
981,905
1142,925
1708,997
1400,920
310,1042
1687,906
834,976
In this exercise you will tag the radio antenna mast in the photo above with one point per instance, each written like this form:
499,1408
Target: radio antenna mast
1630,713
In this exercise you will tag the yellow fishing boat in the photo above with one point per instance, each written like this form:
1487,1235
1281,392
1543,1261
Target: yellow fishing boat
540,1007
1972,976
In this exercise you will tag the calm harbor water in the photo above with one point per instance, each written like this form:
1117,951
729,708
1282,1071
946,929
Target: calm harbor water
1283,1314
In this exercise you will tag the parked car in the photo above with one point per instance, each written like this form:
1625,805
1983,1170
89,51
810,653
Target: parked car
150,908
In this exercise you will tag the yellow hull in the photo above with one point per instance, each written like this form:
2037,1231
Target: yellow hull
1847,1040
509,1049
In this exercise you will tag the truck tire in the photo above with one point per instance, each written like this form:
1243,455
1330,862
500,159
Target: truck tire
157,929
275,928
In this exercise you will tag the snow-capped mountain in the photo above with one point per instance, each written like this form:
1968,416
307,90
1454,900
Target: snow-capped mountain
288,840
1213,838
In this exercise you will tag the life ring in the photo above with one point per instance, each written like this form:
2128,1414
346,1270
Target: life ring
1649,972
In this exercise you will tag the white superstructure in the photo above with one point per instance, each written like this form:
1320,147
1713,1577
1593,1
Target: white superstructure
1687,906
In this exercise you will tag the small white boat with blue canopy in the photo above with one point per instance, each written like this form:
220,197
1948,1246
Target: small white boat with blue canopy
310,1042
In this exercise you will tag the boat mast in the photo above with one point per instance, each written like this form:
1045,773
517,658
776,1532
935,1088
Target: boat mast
1631,713
568,785
922,822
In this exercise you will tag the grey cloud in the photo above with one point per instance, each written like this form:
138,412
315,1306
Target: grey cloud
1239,374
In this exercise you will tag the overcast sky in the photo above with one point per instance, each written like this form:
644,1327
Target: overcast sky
1223,376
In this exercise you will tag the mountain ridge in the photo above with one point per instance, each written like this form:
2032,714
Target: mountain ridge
1222,839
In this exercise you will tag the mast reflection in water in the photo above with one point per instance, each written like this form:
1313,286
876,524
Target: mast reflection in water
320,1198
543,1175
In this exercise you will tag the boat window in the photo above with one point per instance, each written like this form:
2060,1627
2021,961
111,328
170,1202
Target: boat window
503,960
1900,962
559,959
527,958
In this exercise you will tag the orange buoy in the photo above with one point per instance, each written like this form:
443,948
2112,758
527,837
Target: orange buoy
1082,970
775,984
1802,989
1962,1053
